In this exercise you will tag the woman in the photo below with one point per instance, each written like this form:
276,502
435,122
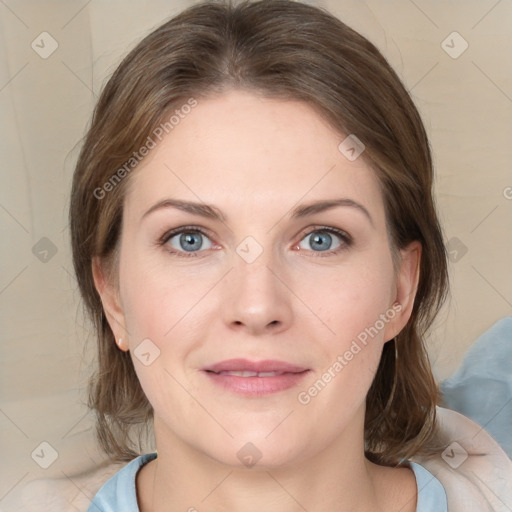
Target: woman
255,238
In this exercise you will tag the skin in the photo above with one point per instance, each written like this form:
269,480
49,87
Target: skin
256,159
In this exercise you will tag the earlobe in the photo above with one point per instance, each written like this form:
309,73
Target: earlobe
406,287
109,295
121,345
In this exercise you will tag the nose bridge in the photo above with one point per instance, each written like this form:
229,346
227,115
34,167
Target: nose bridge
257,299
252,273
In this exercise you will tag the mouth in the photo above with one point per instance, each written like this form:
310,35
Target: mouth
255,378
250,374
239,365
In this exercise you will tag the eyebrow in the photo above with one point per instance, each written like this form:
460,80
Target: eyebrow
212,212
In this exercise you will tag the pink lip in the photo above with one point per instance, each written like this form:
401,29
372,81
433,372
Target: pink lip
289,375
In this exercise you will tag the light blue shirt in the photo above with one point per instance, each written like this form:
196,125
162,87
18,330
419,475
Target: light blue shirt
119,493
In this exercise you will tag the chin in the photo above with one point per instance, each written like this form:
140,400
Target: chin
255,452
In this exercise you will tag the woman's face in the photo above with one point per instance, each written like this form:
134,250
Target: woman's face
248,235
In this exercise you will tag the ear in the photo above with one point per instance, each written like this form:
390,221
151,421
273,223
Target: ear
109,294
406,287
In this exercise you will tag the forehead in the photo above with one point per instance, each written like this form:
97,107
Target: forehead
248,151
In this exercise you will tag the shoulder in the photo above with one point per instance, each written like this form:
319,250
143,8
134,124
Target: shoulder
119,491
71,493
431,494
473,469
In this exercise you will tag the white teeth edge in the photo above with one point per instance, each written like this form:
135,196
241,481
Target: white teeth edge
251,374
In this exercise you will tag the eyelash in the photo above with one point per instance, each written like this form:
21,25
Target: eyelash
345,238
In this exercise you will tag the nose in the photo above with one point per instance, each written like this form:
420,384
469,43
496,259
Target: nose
256,299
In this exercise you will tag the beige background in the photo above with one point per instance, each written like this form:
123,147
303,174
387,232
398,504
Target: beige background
45,105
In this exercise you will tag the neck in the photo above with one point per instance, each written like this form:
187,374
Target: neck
339,478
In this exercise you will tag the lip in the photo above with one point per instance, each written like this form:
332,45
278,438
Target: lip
286,375
245,365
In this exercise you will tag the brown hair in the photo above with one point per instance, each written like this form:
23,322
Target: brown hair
282,49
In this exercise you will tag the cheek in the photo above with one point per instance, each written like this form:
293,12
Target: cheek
348,300
173,310
163,326
157,299
353,305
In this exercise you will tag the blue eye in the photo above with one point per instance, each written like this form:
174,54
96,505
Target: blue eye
189,241
322,240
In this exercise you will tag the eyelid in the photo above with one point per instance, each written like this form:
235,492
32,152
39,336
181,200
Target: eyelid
346,239
327,229
171,233
182,229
